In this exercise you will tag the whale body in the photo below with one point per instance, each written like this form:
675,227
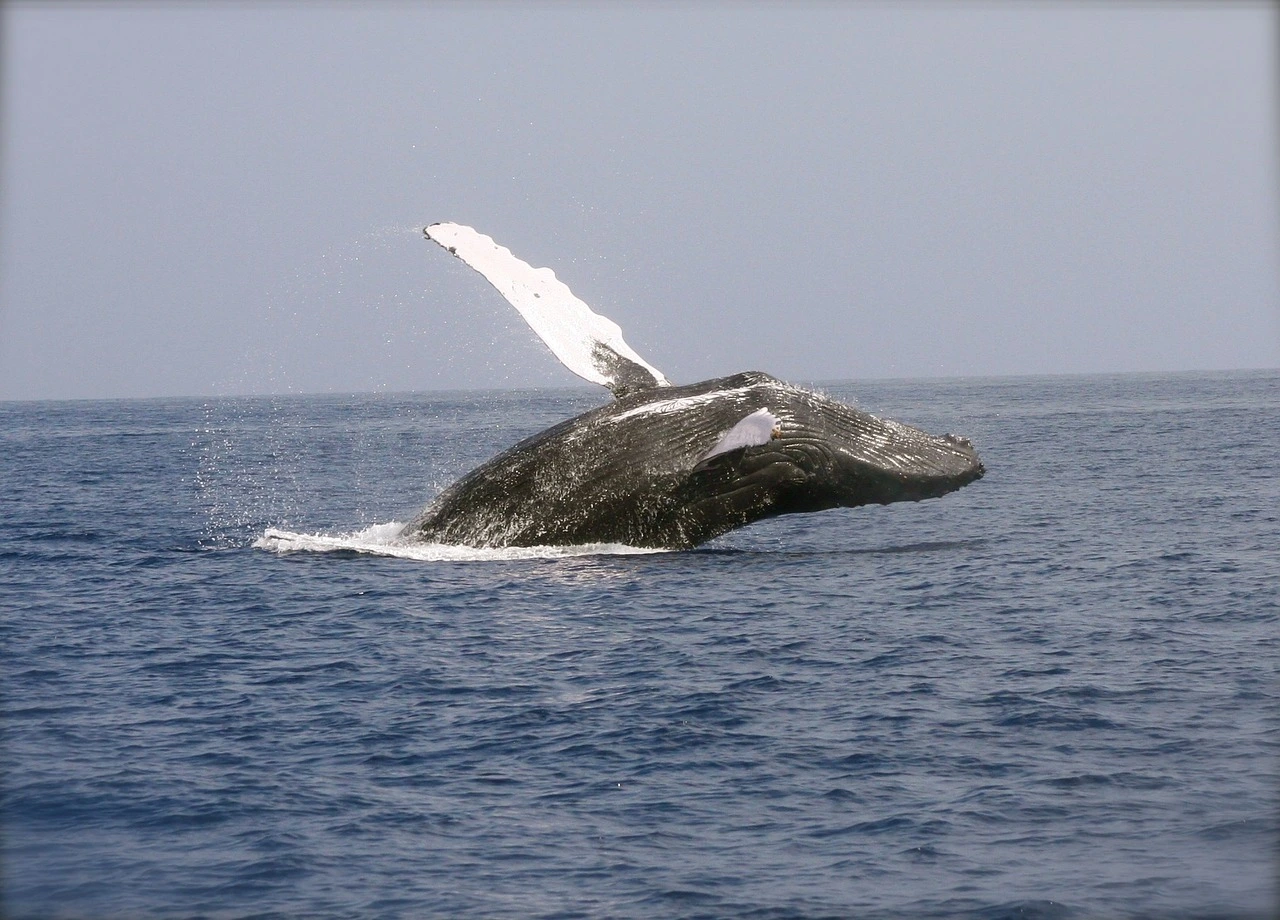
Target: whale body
667,466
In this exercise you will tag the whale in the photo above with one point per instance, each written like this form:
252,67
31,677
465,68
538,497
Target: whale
667,466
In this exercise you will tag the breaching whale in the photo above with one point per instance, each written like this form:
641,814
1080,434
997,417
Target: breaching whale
666,466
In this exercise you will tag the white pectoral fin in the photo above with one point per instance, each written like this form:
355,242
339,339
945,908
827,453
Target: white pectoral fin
587,343
757,428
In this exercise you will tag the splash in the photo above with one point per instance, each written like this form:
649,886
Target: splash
385,540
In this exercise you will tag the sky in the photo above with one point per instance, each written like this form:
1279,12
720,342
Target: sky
227,198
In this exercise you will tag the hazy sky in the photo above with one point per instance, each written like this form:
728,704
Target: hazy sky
227,198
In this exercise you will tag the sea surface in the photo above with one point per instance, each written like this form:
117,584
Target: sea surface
1053,694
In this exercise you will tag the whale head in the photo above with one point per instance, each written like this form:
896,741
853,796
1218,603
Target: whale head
822,454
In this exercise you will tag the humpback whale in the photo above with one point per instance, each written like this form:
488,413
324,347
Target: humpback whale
666,466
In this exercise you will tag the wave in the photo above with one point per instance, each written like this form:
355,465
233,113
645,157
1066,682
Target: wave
385,540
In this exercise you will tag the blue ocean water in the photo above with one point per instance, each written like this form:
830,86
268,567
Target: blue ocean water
1052,694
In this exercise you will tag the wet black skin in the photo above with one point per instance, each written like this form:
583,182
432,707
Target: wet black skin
620,474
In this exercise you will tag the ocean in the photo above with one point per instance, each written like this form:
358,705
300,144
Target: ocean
1052,694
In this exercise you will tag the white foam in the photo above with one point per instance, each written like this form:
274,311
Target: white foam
385,540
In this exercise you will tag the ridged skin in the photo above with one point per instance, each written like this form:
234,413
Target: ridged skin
628,473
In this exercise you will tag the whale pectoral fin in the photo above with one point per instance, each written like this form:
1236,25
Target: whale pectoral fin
760,427
585,342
